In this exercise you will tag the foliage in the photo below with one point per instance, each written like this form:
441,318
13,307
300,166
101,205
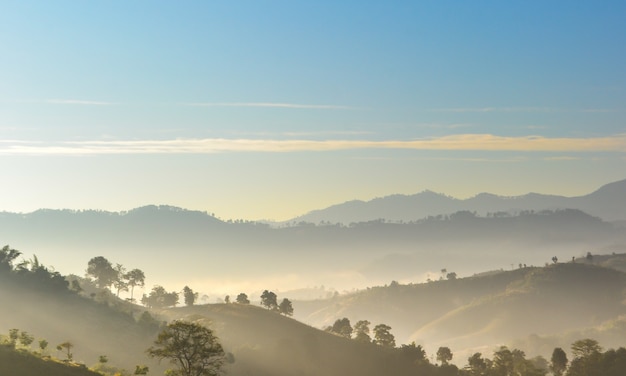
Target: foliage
159,298
242,299
285,307
190,296
362,331
383,336
268,300
193,348
101,269
558,362
8,256
342,327
120,283
134,278
477,365
414,353
66,348
444,355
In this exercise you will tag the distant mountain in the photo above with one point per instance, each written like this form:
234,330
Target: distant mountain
175,246
608,203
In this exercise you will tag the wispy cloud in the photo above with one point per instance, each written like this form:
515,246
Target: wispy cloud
78,102
562,158
304,134
519,109
271,105
467,142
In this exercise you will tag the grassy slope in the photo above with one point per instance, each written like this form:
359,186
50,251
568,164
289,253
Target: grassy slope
263,342
19,363
266,343
93,328
487,310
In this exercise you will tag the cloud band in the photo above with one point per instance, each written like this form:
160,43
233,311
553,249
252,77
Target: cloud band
464,142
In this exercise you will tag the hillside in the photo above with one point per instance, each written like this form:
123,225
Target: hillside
19,363
262,342
95,327
608,203
484,310
266,343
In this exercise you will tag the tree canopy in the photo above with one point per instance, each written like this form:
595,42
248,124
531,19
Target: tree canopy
102,271
192,348
285,307
268,300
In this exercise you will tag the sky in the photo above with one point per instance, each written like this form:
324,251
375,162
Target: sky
269,109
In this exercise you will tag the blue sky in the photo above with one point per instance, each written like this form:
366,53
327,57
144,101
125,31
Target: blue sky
269,109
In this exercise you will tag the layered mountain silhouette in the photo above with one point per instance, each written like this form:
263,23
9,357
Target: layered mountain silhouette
608,203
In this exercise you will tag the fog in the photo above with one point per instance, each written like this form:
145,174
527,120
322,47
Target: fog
176,248
467,282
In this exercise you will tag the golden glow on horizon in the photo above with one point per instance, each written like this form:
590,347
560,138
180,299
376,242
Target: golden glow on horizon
461,142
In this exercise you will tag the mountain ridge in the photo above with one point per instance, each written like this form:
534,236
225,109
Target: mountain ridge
607,202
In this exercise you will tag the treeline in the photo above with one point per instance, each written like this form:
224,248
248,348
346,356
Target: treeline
588,357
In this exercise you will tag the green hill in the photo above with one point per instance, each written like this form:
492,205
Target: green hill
487,310
263,342
21,363
266,343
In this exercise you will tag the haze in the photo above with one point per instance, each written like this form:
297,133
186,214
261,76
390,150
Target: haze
453,169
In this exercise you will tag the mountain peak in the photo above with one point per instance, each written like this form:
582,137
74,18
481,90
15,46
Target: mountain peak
608,203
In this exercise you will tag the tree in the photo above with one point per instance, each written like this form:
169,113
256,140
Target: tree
120,283
159,298
362,331
342,327
285,307
414,353
503,362
66,347
7,257
26,339
587,354
43,345
477,365
191,347
555,259
444,355
13,337
190,296
558,362
102,271
134,278
242,299
584,348
383,336
451,276
268,300
141,370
